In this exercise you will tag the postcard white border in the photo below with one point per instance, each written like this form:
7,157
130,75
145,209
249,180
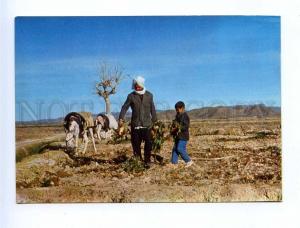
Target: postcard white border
154,215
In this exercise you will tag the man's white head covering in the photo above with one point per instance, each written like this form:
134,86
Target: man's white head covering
141,82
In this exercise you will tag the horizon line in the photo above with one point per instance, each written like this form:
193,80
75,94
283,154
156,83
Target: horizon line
157,110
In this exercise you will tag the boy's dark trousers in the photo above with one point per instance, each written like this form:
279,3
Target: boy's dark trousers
137,136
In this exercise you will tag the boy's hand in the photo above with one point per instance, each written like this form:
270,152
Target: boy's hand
174,131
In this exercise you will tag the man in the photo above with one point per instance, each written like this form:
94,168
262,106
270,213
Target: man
143,115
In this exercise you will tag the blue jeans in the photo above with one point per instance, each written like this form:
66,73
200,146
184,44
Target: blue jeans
180,149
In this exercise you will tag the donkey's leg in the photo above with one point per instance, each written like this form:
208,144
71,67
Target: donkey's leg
98,132
93,140
76,141
76,144
108,134
76,131
86,141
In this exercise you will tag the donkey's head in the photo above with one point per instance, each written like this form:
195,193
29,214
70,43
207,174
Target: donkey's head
72,133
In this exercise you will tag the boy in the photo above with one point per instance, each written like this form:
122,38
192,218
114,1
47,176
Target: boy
181,135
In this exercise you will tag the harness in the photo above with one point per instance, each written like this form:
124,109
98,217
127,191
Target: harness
83,119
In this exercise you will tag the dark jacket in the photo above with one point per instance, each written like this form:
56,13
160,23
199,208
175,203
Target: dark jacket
143,109
184,120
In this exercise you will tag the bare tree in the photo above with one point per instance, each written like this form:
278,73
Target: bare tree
109,79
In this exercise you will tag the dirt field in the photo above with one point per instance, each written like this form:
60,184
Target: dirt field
235,160
33,132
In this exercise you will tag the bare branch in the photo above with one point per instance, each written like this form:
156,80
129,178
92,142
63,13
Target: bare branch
109,79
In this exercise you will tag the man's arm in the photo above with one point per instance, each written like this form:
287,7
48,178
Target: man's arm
125,107
153,111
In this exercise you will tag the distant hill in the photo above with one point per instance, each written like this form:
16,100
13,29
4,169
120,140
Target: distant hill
234,112
219,112
225,112
276,109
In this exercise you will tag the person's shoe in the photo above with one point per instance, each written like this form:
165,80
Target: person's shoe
147,166
190,163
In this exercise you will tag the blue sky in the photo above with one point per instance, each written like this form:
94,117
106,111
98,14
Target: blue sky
202,60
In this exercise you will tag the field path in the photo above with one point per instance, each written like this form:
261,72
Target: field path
30,141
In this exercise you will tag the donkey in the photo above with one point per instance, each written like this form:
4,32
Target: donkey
78,125
105,124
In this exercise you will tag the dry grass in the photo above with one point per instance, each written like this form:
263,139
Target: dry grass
234,161
27,132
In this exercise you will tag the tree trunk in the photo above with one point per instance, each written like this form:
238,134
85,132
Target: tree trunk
107,105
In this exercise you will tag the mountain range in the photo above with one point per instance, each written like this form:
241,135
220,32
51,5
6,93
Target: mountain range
218,112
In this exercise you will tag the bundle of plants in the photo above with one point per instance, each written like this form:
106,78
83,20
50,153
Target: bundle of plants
175,129
158,131
133,165
122,134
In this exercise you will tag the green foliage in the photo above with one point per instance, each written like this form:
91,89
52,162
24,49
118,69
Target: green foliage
175,129
157,134
263,134
121,134
133,165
